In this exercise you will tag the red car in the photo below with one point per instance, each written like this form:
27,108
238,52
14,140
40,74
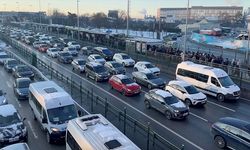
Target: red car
125,85
43,48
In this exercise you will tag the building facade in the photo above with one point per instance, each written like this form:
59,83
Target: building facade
198,13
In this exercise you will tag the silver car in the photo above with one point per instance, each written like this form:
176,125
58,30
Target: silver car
115,68
79,65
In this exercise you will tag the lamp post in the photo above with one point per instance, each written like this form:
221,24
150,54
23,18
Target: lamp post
40,17
248,40
128,18
78,23
185,40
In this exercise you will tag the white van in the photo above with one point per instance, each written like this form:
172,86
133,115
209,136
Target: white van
94,132
209,80
52,108
17,146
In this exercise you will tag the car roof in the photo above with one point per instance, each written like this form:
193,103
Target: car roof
94,64
178,82
10,59
93,55
21,65
162,93
7,110
241,124
144,62
112,62
121,54
23,79
121,76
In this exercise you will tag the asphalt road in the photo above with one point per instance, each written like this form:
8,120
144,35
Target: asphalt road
194,132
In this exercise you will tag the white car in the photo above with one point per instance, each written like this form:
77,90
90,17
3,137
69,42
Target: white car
144,66
96,58
74,44
53,52
123,59
79,64
186,92
72,50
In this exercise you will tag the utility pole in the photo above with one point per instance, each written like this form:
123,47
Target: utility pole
40,17
78,22
185,40
128,18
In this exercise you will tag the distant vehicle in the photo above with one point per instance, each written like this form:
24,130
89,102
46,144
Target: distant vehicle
29,40
146,67
52,108
53,52
115,68
74,44
72,50
60,46
149,80
3,99
43,48
231,133
12,126
124,84
79,64
186,92
22,71
104,52
166,103
87,133
123,59
65,57
88,50
9,64
96,71
44,39
96,58
209,80
3,57
17,146
64,41
21,88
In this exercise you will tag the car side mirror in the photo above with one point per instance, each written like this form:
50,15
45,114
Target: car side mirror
44,120
79,113
24,119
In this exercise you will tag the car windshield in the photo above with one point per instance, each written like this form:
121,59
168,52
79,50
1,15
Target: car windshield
23,69
226,81
127,81
125,57
9,120
170,100
65,54
71,49
99,69
107,52
81,62
60,115
98,57
149,66
23,84
151,76
191,90
4,56
116,65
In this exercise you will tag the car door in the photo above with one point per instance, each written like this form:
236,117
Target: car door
179,92
44,119
159,103
214,86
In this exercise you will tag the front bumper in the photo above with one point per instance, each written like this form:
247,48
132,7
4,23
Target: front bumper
58,136
21,138
232,97
180,115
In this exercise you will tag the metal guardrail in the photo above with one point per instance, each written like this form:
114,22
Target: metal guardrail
148,138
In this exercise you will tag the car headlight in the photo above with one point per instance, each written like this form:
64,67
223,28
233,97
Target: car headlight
129,90
176,111
54,129
5,101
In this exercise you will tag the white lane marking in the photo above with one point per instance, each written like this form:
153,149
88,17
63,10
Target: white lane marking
198,117
18,103
245,99
221,106
170,130
9,84
32,130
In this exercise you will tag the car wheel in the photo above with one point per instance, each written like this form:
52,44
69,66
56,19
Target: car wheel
168,115
147,104
48,137
220,142
188,102
149,86
220,97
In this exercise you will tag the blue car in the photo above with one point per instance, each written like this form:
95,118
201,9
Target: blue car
232,133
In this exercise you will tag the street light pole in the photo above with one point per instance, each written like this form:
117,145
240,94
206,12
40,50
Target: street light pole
128,18
247,51
185,40
78,23
40,17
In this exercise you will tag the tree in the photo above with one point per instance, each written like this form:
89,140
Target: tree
99,20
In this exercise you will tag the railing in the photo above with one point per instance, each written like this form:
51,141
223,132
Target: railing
138,132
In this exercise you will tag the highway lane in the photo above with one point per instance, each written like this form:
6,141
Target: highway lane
212,111
36,138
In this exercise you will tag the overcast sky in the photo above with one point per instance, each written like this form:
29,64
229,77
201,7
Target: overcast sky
138,7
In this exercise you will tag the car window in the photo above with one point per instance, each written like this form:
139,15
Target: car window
179,88
215,82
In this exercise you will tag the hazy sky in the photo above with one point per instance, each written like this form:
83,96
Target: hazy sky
138,7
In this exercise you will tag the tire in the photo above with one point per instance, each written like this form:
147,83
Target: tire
149,86
220,97
188,102
147,104
168,115
220,142
48,137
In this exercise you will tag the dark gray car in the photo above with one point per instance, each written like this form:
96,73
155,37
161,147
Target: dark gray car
9,64
166,103
115,68
21,71
96,71
21,88
149,80
65,57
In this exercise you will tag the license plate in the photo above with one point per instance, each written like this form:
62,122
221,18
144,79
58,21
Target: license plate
185,114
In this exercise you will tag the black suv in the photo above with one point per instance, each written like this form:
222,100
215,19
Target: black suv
96,71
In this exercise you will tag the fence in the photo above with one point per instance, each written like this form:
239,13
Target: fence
140,133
